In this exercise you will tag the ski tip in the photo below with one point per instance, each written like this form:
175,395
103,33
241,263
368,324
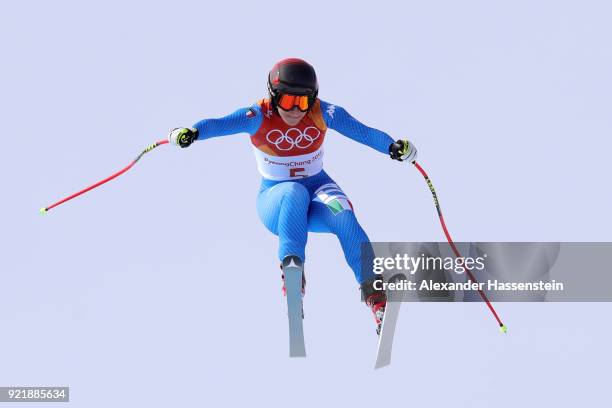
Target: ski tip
42,211
379,366
503,329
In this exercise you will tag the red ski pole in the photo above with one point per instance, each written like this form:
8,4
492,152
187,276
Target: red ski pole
106,180
502,327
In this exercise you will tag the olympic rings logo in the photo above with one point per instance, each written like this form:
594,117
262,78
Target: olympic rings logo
293,137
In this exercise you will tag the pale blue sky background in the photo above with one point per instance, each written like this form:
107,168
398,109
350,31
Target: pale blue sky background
162,288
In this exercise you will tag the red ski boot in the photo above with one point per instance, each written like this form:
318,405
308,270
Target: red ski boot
376,301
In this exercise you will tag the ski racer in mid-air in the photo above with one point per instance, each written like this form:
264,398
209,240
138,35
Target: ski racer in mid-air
287,130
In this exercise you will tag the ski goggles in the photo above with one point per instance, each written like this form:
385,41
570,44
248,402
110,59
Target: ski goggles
287,102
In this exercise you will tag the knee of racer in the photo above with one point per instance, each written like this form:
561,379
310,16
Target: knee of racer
288,196
295,193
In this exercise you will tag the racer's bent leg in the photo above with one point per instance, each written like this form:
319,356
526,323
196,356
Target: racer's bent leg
283,209
331,211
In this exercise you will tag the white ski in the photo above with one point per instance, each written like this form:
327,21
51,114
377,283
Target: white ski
385,339
293,270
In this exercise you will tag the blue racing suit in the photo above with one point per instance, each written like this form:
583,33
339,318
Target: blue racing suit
296,195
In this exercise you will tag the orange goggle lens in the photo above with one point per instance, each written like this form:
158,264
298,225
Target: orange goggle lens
288,102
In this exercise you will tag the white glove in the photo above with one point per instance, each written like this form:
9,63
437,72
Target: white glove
403,150
183,136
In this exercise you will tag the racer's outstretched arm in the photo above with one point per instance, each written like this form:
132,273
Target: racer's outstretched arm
337,118
245,120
